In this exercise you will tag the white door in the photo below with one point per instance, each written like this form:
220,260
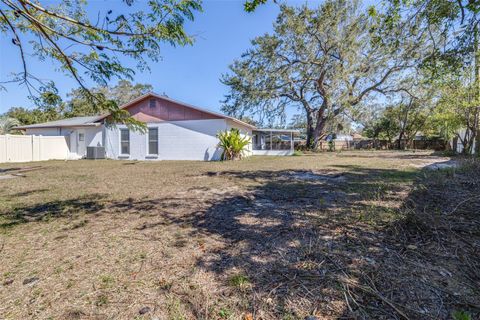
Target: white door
81,150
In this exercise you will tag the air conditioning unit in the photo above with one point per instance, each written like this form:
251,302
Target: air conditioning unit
95,152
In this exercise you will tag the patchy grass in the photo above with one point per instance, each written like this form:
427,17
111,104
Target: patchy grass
335,235
239,281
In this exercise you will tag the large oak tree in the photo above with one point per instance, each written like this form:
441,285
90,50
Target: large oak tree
325,61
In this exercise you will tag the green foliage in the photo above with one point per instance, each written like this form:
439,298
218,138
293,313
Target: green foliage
292,67
233,144
88,46
331,146
249,120
403,120
239,280
251,5
225,313
7,124
81,103
101,300
385,127
461,315
456,21
457,106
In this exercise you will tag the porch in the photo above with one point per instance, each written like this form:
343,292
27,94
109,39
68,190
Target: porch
273,142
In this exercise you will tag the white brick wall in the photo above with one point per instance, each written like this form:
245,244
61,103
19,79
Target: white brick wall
178,140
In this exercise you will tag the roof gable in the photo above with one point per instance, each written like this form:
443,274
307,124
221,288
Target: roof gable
170,110
166,109
154,109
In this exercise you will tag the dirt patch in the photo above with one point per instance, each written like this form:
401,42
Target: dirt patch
7,176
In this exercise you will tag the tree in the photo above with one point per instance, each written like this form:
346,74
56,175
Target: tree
457,108
23,115
51,107
323,61
383,128
411,117
400,121
251,5
7,124
249,120
79,103
85,46
458,22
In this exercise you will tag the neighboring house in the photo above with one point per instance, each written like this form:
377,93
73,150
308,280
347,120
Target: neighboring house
176,131
339,137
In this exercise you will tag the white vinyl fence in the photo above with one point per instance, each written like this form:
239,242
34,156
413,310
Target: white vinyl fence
19,148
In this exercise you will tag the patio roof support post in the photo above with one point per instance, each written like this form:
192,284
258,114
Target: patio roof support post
271,140
291,141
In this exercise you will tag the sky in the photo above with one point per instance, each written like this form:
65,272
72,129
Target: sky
191,74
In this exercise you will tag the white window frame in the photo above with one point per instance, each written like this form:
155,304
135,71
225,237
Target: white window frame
120,143
152,155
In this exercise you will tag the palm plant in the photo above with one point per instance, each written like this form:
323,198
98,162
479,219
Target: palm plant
232,143
7,124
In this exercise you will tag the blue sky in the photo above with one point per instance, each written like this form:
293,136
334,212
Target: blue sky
223,32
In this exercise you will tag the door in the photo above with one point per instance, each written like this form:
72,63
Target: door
81,149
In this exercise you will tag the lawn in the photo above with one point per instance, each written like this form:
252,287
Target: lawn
332,235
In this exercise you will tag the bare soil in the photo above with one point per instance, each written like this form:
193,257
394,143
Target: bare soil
351,235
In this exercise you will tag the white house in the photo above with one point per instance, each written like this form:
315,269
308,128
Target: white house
176,131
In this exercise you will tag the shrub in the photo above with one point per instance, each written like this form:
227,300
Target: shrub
232,143
461,315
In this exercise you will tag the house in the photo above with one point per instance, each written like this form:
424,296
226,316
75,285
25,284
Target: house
176,131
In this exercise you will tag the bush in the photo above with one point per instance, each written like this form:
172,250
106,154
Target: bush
233,144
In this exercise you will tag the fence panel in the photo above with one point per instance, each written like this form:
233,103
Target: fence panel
3,149
19,148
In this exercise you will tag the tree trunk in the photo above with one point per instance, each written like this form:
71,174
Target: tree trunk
476,49
315,132
399,143
319,127
310,130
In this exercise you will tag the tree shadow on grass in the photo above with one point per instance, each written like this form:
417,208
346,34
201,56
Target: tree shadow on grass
303,239
50,210
341,244
328,243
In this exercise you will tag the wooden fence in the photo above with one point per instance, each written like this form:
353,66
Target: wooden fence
22,148
431,144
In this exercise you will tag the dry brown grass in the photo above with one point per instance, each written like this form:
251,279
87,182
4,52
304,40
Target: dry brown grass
266,238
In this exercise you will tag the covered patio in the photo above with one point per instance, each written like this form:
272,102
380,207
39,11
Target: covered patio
274,142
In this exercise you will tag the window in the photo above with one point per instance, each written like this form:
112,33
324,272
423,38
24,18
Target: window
81,136
153,103
152,140
125,141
